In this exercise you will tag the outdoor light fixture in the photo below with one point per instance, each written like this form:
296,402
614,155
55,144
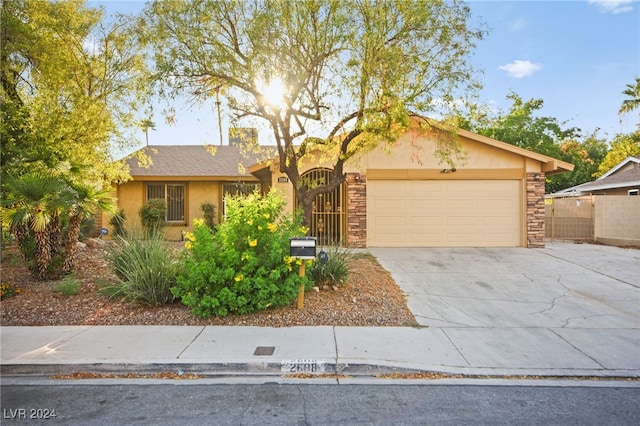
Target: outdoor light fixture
451,170
536,177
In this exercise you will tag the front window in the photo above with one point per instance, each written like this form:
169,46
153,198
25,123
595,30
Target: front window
173,195
235,189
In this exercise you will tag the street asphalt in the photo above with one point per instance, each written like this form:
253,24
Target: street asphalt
568,310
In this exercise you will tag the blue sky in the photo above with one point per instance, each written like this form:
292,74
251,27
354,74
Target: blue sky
578,56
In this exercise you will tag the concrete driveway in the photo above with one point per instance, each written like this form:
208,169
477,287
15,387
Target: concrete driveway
564,285
566,309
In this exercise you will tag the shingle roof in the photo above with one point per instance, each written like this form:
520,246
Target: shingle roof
629,177
613,179
195,160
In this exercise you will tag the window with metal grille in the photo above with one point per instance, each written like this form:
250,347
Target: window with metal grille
173,194
235,189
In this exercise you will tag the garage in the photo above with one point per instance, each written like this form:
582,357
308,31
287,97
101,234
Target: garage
444,213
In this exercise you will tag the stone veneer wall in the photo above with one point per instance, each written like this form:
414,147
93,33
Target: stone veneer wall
535,210
357,210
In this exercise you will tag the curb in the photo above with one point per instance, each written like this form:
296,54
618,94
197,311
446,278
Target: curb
306,368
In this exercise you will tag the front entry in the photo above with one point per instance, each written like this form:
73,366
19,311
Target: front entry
329,211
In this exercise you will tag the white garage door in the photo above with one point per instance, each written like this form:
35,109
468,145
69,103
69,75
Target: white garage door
457,213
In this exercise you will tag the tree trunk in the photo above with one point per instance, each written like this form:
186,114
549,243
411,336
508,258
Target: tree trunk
72,239
307,209
43,252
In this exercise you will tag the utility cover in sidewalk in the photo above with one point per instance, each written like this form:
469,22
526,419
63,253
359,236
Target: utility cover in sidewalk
264,350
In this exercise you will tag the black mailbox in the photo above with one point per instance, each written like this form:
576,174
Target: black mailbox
302,247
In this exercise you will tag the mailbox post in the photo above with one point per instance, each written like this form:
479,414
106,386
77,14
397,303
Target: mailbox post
303,248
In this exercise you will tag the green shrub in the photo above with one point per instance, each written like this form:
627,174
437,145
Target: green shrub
152,215
335,271
245,266
69,287
117,224
209,213
87,228
29,249
146,269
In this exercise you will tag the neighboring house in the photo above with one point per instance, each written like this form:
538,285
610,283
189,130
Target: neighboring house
623,179
397,197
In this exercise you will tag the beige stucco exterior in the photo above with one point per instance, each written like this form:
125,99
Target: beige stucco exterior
504,184
131,197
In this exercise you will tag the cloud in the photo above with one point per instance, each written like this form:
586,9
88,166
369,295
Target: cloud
517,24
520,69
613,6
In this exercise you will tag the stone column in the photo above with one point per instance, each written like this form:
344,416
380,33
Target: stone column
356,210
535,210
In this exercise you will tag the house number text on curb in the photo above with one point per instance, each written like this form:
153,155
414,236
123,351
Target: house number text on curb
302,366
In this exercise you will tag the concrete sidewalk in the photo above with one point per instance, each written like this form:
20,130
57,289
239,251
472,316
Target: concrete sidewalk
344,350
566,310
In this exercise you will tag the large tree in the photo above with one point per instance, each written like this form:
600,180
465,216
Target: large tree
325,74
586,155
523,127
70,83
69,86
622,146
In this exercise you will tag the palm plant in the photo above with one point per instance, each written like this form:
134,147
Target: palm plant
633,92
87,201
146,125
32,207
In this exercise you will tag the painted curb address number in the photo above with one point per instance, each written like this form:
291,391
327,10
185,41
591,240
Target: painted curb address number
303,366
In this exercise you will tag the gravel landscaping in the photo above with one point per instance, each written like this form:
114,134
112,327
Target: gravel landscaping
369,298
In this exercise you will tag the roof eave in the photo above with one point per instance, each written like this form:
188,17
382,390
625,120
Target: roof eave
619,185
550,165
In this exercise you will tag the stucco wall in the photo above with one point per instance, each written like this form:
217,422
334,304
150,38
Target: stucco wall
617,220
131,197
411,152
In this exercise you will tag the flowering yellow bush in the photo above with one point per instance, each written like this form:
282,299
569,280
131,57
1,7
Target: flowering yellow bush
244,266
8,289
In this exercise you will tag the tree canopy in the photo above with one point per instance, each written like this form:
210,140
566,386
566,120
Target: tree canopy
337,75
521,126
622,146
71,84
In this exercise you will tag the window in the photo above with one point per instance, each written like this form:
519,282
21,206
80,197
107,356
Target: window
173,194
235,189
634,192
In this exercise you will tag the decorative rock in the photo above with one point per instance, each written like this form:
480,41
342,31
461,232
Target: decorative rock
316,289
81,245
95,243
